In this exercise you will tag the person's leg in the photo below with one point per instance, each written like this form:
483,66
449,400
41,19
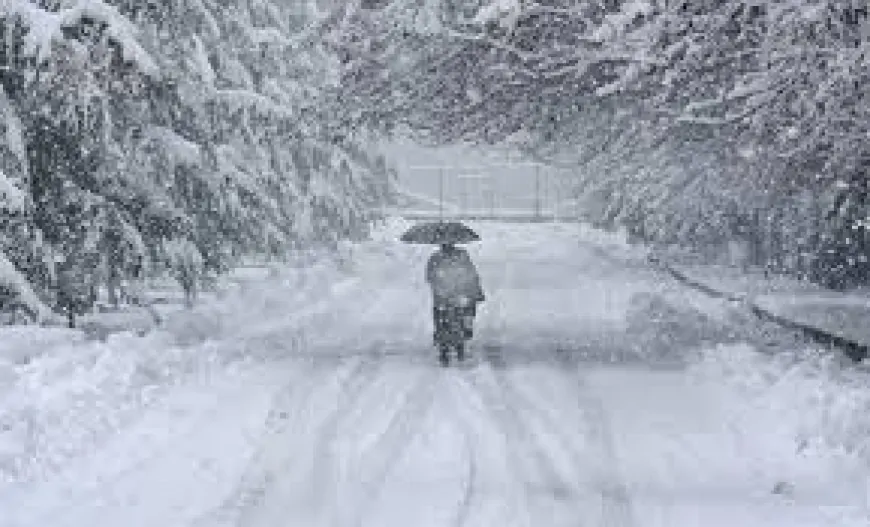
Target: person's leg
437,323
444,353
468,320
460,350
439,315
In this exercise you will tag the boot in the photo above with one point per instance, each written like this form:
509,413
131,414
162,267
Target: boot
444,357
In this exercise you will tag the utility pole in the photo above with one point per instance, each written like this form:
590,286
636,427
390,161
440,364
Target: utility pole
491,201
465,179
463,197
441,194
511,164
558,208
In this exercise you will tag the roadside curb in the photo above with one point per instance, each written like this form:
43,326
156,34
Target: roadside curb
855,351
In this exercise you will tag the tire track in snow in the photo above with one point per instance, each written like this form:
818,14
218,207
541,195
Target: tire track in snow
469,492
532,419
504,417
99,489
616,509
510,419
539,417
390,445
152,446
616,506
310,469
616,502
292,402
463,512
322,459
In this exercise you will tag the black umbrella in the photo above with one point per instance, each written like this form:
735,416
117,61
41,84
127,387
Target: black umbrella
436,233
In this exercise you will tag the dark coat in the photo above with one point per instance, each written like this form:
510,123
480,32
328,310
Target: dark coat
451,273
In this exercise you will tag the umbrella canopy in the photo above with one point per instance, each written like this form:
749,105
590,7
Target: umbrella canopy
436,233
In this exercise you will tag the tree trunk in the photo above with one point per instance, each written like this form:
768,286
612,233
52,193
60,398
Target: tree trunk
112,285
188,283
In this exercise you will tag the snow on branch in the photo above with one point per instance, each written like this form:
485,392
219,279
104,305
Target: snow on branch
232,164
616,24
502,12
12,280
177,149
492,42
13,139
236,100
44,28
12,198
269,36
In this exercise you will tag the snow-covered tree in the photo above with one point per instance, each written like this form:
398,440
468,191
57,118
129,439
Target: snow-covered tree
688,119
132,127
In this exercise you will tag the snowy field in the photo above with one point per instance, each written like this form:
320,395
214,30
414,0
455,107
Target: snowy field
599,393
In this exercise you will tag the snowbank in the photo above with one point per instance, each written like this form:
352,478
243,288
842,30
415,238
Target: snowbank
808,411
21,344
803,413
806,416
392,228
63,394
828,317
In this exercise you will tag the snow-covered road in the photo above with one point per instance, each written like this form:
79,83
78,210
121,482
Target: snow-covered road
576,408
